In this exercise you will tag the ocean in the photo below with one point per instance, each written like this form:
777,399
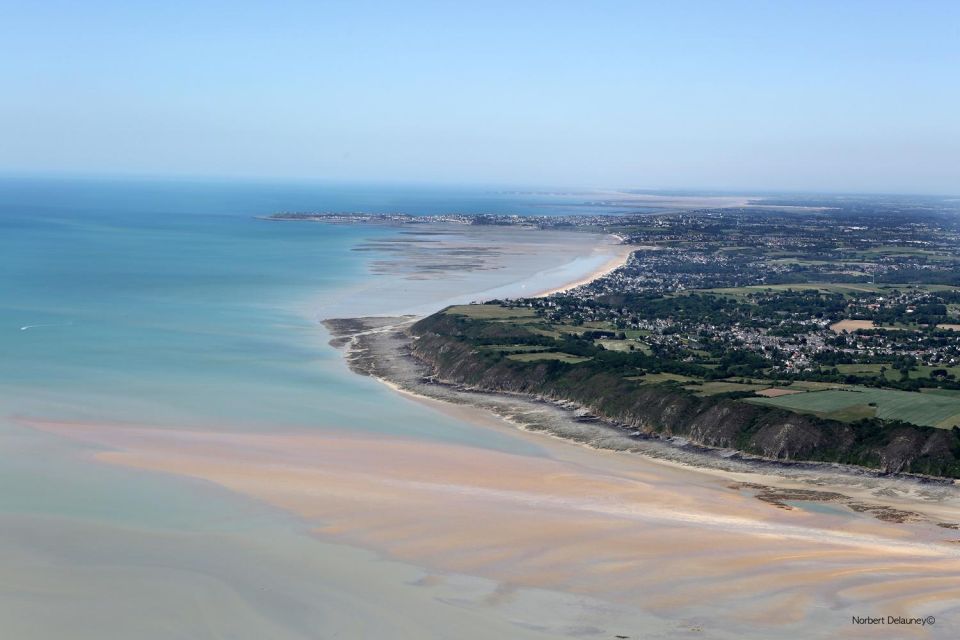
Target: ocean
184,456
174,305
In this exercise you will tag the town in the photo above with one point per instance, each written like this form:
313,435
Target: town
839,295
842,308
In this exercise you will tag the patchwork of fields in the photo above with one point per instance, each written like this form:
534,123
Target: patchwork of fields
835,401
875,370
552,355
931,409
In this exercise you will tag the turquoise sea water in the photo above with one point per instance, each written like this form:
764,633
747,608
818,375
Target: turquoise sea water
172,305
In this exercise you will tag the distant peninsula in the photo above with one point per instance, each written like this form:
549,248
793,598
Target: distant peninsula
823,329
478,219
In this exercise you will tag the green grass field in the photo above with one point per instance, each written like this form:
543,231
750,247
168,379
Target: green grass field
491,312
719,386
825,287
618,345
514,348
604,326
935,410
536,357
543,331
861,369
942,392
922,371
898,251
852,413
846,288
817,386
656,378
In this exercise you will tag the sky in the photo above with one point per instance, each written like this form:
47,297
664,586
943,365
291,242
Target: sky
810,96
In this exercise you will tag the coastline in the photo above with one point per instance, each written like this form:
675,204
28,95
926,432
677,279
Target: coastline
377,347
619,260
798,540
576,536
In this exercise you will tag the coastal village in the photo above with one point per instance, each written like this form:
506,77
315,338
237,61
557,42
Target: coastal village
817,297
842,308
829,289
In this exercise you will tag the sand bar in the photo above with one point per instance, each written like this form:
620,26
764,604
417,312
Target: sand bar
689,551
664,539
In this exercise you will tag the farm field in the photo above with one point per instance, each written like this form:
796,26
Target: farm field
935,410
813,385
491,312
514,348
902,251
776,392
655,378
922,371
617,345
825,287
720,386
864,368
851,325
559,356
854,325
846,288
942,392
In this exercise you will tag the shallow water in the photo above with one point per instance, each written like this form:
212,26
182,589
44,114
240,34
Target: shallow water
120,313
820,507
182,454
172,306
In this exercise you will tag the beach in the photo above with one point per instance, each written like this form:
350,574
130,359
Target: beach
199,456
670,544
622,253
204,320
480,321
668,547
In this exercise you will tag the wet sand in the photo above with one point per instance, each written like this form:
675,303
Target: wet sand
378,347
683,547
427,267
85,580
93,547
621,255
561,541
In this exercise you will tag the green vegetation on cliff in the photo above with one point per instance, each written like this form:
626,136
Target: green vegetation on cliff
500,348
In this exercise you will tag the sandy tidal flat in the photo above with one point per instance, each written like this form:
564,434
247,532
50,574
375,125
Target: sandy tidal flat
274,494
680,548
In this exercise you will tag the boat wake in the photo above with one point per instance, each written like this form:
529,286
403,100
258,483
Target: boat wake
27,327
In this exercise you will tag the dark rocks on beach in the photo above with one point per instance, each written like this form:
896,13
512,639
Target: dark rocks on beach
384,348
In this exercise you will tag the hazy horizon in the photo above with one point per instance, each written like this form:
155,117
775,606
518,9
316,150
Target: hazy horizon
739,97
479,186
517,319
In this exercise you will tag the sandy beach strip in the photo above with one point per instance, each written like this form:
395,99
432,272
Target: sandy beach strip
622,253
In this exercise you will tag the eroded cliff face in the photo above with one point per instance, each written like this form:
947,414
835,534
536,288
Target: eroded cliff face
660,410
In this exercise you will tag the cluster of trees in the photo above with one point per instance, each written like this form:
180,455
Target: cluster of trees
804,302
943,274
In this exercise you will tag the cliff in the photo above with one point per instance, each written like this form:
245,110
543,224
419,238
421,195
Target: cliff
449,346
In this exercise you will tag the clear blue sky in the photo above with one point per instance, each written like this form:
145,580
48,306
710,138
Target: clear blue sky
839,95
